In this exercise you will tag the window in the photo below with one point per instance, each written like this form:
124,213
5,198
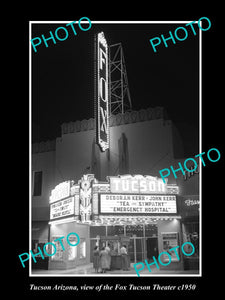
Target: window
82,249
170,240
191,234
58,250
72,250
37,183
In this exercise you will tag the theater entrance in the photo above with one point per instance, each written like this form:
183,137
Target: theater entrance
143,241
152,247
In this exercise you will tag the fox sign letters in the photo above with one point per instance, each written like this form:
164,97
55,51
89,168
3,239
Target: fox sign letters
102,97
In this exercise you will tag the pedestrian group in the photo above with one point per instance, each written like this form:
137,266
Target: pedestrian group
102,259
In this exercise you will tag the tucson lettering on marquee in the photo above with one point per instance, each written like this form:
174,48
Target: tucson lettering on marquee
137,184
102,112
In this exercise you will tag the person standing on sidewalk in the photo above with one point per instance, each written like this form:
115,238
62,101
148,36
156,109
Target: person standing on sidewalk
103,259
124,258
107,248
96,259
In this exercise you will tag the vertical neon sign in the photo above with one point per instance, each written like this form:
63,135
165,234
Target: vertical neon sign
102,97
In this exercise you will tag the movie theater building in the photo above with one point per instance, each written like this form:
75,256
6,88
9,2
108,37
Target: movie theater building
91,194
138,211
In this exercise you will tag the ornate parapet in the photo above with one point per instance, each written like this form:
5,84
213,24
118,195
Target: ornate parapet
43,147
115,120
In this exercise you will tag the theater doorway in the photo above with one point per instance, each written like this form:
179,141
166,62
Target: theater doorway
152,247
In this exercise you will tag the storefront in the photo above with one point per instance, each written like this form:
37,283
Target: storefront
40,236
138,211
189,207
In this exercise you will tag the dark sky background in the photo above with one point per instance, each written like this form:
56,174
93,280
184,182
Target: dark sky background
63,77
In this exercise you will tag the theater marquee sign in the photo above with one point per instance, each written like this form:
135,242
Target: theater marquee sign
137,204
62,208
90,200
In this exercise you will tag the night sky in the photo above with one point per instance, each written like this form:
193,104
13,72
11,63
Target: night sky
63,77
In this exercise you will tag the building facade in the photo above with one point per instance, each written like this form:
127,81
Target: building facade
141,143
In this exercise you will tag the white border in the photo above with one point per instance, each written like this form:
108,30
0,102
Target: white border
30,149
200,149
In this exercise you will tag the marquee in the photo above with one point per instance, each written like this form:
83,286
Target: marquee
137,204
119,197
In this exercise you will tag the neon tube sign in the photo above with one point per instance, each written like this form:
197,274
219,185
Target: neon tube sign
102,111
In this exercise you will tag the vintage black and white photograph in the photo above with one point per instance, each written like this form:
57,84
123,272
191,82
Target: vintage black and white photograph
115,138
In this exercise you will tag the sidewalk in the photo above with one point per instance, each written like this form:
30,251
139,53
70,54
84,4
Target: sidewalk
89,270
